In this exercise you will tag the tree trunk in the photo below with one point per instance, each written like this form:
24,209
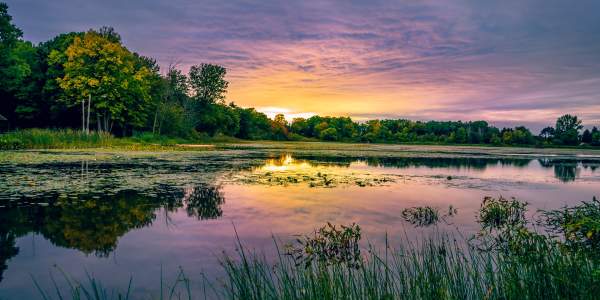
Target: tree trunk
155,119
98,121
83,115
105,117
88,113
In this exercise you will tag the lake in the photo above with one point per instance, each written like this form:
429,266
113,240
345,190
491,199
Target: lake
121,215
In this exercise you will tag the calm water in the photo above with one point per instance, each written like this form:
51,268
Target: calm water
131,218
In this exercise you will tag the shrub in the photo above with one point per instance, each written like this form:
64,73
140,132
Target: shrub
10,143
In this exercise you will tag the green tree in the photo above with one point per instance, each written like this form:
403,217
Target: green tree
208,83
586,137
253,124
461,135
106,73
14,65
522,136
279,127
171,102
567,130
595,136
12,71
547,133
329,134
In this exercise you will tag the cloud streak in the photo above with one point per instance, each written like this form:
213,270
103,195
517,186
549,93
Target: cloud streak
425,60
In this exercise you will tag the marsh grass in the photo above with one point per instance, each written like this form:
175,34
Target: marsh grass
53,139
75,139
92,289
437,268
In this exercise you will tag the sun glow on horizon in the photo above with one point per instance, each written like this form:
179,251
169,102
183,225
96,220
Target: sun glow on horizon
289,115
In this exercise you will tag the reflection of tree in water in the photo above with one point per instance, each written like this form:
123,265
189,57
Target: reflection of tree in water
7,250
566,173
204,202
431,162
94,223
564,170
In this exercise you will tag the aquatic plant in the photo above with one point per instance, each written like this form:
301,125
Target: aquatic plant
330,245
422,216
496,213
503,226
436,268
578,225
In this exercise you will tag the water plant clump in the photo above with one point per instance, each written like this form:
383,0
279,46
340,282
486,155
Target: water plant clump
330,245
435,268
579,225
312,178
499,212
423,216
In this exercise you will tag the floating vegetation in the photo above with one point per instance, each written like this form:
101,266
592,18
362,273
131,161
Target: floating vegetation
312,179
329,245
496,213
287,171
423,216
144,174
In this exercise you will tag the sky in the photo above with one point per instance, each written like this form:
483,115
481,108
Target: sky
507,62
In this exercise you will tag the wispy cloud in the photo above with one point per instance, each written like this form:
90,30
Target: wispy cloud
510,61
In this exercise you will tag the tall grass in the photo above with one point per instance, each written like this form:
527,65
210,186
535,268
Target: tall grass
55,139
437,268
75,139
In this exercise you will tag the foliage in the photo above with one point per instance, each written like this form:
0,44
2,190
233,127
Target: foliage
54,139
579,225
422,216
208,83
115,79
329,245
430,269
567,130
503,225
11,70
8,142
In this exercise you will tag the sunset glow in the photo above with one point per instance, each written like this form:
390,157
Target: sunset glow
382,59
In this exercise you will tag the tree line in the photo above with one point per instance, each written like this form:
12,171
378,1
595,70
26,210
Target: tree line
90,80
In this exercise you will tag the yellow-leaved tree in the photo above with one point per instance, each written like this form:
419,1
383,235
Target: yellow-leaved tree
113,81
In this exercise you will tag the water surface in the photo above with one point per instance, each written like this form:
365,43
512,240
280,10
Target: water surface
132,217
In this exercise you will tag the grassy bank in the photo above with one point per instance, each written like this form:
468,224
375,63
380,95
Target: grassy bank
74,139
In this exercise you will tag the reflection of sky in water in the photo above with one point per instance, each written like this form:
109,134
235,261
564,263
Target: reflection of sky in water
190,226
